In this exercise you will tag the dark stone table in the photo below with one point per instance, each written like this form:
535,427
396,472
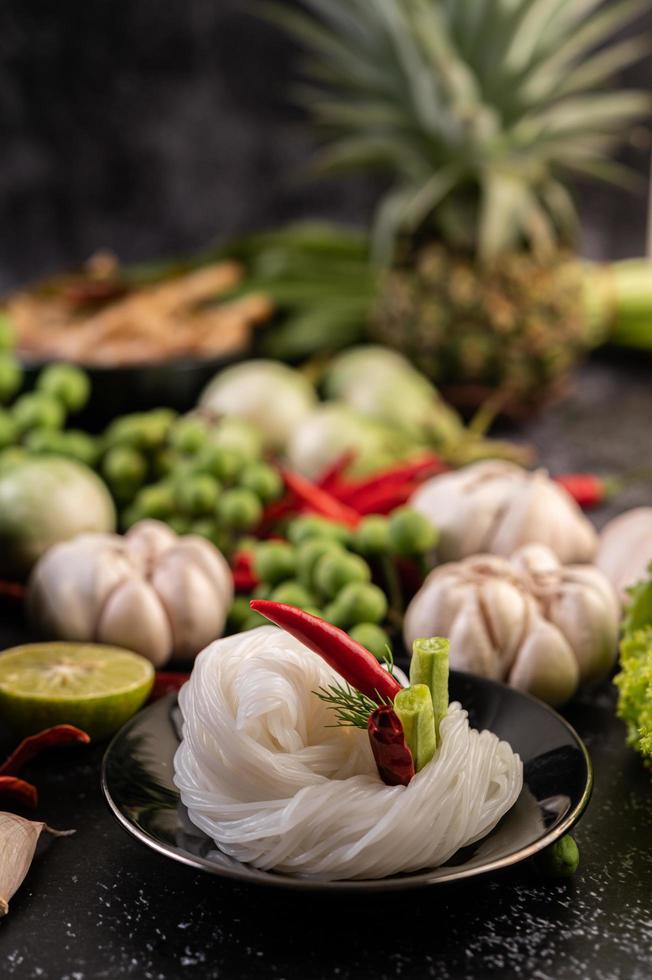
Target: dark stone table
100,905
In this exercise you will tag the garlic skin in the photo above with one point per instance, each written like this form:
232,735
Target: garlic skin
496,507
540,626
625,549
149,591
18,840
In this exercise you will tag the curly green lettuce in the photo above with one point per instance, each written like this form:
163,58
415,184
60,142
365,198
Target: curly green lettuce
634,684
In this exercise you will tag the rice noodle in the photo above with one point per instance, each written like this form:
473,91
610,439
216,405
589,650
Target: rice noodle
263,775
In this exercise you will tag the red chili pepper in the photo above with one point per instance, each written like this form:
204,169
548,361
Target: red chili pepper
33,745
387,738
427,464
318,500
330,478
587,489
351,660
382,500
166,682
21,793
244,577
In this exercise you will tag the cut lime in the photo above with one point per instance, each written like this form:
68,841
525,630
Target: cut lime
94,687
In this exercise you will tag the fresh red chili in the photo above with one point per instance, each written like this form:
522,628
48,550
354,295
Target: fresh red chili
382,500
21,793
350,659
244,578
331,477
318,500
587,489
166,682
387,739
33,745
427,464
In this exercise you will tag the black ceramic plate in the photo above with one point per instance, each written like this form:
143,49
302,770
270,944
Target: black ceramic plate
138,768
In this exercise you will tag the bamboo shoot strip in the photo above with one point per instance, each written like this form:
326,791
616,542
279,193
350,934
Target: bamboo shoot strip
429,666
413,707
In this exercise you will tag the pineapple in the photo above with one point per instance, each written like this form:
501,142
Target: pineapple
478,110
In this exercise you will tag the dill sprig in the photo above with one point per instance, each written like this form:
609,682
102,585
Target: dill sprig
352,709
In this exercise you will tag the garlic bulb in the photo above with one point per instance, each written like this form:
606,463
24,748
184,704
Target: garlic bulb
625,549
541,626
18,840
496,507
150,591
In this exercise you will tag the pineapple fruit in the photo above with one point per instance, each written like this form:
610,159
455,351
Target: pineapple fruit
478,111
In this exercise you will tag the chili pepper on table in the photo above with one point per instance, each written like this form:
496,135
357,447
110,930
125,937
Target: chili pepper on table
587,489
21,793
351,660
391,753
167,682
33,745
319,501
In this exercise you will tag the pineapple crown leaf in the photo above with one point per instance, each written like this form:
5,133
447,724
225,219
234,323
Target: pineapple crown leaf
477,108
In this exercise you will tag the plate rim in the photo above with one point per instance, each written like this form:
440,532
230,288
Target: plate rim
248,874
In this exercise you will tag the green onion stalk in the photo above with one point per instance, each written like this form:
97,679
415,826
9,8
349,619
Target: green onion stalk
618,298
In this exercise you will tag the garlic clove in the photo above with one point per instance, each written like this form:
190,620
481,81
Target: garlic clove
543,513
18,840
134,618
587,614
504,608
211,561
147,541
470,643
70,583
545,665
188,596
465,506
434,608
625,549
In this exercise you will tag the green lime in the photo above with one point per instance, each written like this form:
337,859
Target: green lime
94,687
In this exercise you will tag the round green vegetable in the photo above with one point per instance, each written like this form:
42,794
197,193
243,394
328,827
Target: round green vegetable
141,430
311,526
411,534
371,537
7,429
179,523
238,614
67,384
239,509
560,860
253,621
37,410
156,501
44,500
274,561
189,435
263,480
45,441
11,376
294,594
309,553
197,494
222,462
208,528
361,602
334,571
237,434
371,636
125,470
79,445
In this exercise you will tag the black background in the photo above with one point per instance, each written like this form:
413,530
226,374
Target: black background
156,127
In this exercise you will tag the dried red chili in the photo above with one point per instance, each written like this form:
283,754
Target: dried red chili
387,739
350,659
166,682
21,793
33,745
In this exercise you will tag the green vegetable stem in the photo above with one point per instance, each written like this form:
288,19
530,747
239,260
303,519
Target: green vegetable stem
429,666
413,707
560,860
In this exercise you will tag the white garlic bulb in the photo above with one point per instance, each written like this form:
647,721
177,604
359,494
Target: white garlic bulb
496,507
540,626
625,549
150,591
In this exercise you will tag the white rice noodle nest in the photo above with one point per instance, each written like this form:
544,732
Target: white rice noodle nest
262,773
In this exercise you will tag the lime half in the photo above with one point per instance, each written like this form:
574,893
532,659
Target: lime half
94,687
